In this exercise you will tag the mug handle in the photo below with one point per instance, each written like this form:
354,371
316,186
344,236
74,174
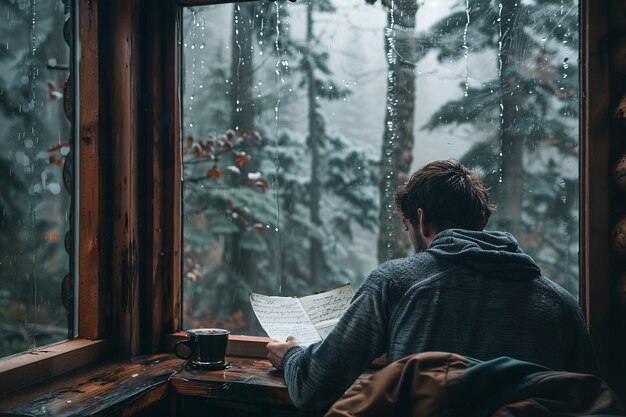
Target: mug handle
189,346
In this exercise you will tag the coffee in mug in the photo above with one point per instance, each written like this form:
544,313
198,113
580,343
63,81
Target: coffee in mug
204,348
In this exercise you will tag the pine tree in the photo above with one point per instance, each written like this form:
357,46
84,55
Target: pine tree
534,100
338,167
398,139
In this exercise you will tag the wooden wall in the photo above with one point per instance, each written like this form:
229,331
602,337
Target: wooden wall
140,130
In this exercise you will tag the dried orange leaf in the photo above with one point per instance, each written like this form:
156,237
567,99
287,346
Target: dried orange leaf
59,146
259,228
229,203
263,184
52,235
241,158
214,172
54,93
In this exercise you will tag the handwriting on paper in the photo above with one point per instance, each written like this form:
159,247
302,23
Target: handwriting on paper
309,319
282,317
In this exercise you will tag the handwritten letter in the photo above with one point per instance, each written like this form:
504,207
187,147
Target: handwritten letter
282,317
310,318
326,308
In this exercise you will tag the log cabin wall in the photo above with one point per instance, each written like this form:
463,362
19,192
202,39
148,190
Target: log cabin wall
613,44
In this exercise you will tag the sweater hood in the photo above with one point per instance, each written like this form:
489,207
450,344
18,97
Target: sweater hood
492,253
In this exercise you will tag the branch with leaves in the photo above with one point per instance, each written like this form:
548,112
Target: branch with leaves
230,154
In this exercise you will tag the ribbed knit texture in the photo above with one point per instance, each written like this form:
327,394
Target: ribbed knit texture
472,293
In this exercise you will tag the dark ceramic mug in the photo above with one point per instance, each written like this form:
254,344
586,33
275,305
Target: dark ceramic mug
204,348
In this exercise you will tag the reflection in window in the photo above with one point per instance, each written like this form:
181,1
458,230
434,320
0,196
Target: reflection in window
34,203
301,119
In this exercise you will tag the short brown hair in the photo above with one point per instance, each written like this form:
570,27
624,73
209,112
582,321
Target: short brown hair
451,196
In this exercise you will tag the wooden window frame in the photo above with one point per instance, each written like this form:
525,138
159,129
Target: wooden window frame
596,294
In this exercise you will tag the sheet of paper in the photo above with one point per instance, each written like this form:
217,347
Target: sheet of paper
326,308
282,317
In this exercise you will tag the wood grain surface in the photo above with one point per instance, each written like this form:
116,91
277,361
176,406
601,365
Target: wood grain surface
252,381
91,324
109,389
123,388
247,380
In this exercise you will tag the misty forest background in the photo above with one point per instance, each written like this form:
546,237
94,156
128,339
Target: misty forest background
300,119
34,203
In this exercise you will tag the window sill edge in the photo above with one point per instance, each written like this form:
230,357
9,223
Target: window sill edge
29,368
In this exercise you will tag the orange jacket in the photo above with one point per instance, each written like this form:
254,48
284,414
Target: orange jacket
444,384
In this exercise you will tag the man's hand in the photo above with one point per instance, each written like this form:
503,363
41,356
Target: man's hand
276,351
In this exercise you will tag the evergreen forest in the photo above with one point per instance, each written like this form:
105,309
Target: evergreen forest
301,119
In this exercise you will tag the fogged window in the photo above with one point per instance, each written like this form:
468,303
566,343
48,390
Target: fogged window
34,201
300,119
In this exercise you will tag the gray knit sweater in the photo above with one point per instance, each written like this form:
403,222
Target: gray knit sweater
472,293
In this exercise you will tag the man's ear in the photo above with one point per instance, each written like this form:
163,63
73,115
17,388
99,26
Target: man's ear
426,229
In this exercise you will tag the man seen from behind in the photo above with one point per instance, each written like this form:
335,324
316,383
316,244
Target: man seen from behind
465,291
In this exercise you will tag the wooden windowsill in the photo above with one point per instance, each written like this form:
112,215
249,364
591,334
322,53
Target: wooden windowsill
22,370
126,387
109,388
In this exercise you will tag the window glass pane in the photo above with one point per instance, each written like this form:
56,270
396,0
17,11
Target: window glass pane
34,202
300,119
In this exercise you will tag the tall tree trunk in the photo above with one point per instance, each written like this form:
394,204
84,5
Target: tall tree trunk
240,260
511,189
396,155
316,133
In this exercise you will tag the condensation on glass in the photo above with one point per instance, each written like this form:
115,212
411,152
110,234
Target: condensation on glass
300,119
34,199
